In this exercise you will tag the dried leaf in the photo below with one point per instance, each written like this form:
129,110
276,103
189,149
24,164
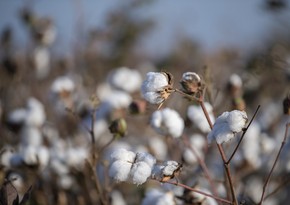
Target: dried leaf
8,194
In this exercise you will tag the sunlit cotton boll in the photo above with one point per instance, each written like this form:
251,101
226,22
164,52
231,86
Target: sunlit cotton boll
196,115
120,170
125,79
118,99
227,125
167,122
158,197
140,172
154,83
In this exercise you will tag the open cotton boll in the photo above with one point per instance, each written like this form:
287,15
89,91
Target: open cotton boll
251,145
5,157
123,154
62,83
197,117
117,198
17,116
36,155
154,83
125,79
235,80
120,170
100,127
227,125
118,99
170,167
140,172
75,157
30,136
167,122
35,115
146,157
41,61
158,147
237,120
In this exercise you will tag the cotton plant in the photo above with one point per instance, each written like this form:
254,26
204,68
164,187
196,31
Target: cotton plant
167,122
227,125
131,167
197,117
125,79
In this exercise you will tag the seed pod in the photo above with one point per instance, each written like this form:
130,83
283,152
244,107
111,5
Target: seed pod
118,127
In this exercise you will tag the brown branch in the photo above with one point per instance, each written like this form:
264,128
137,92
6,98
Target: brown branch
273,167
195,190
222,153
284,183
244,132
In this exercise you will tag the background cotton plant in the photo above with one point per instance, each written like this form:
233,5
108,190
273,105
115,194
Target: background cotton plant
58,112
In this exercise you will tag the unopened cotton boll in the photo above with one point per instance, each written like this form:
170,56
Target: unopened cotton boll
196,115
167,122
153,88
125,79
227,125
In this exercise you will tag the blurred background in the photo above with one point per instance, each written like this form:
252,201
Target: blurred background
87,40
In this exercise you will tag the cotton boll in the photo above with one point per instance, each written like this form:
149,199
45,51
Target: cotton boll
65,181
196,115
235,80
100,127
35,115
35,156
140,172
43,156
167,122
6,155
158,147
58,166
120,170
126,79
75,157
170,167
61,84
123,154
197,142
153,86
17,116
227,125
251,145
16,180
41,61
31,136
118,99
117,198
147,158
237,120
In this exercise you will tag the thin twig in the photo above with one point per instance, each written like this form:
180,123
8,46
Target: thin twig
273,167
284,183
244,132
195,190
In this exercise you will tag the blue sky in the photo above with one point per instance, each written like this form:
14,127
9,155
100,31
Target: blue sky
213,24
